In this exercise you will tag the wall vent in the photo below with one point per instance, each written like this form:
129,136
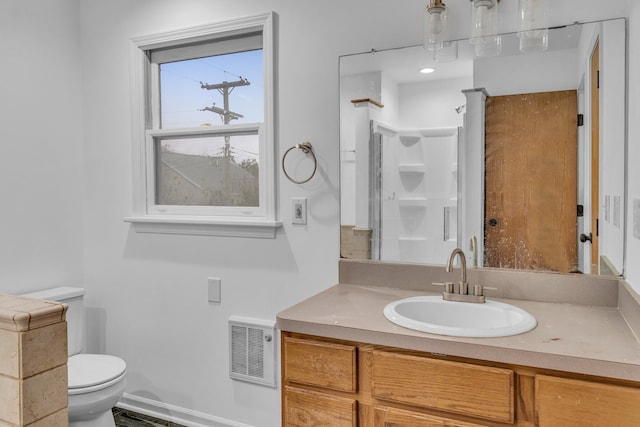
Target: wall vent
252,345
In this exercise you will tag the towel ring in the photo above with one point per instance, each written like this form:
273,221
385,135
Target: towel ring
306,148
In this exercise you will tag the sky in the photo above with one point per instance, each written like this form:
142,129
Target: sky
183,99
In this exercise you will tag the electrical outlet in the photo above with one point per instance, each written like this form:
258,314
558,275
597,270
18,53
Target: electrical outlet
215,285
299,210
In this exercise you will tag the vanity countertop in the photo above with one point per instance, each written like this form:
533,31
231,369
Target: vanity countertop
587,339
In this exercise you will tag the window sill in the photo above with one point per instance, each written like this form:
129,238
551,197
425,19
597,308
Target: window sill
193,225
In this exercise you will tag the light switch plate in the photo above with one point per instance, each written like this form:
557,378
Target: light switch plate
215,285
299,210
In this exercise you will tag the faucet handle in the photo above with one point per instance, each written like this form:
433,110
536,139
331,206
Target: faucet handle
478,290
448,287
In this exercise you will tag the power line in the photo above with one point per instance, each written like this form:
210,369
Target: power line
164,70
219,68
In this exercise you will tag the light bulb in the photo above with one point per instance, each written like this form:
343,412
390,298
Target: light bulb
435,23
482,12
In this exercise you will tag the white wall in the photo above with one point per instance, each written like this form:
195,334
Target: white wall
612,136
632,272
147,293
41,145
432,104
507,75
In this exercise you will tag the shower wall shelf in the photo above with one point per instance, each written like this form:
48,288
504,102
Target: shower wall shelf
412,202
409,139
412,168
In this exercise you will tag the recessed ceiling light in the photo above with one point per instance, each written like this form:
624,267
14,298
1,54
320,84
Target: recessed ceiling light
427,70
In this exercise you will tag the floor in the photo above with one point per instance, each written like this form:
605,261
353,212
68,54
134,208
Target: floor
125,418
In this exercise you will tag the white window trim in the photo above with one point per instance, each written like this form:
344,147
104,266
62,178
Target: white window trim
212,211
264,224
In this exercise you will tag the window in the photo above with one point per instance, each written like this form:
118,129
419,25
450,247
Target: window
203,130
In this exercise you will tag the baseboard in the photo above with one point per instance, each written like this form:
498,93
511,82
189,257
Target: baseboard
173,413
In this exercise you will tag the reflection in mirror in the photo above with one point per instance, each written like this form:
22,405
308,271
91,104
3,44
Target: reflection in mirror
517,159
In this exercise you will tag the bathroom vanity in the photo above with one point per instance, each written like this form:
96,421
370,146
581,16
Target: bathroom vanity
345,364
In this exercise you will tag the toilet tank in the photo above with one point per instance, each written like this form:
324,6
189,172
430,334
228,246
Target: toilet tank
74,298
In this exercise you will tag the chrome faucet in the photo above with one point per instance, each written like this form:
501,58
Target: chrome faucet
463,286
462,294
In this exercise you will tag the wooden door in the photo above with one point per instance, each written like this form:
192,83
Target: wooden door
531,181
595,157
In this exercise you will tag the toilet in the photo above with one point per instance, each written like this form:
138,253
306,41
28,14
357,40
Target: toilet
96,381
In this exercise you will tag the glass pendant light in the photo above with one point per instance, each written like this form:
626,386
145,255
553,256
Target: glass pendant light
436,33
435,24
484,27
533,26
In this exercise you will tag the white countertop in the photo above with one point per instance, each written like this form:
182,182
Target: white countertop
592,340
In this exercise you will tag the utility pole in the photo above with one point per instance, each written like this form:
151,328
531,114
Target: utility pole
225,89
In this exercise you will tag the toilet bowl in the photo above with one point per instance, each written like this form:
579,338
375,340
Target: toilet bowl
96,381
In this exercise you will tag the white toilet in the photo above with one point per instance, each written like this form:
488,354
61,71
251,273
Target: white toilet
96,381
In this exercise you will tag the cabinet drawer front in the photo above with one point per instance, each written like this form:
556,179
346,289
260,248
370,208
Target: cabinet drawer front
303,408
461,388
565,402
391,417
328,365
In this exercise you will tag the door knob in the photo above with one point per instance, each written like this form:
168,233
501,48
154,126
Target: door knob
585,237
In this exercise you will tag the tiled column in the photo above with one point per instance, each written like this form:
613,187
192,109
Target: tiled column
361,243
346,235
33,363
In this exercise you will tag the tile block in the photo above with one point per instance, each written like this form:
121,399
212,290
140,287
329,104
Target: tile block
43,349
9,401
57,419
44,394
9,353
21,314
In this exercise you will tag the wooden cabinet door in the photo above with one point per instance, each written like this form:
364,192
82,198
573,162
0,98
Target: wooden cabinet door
575,403
305,408
392,417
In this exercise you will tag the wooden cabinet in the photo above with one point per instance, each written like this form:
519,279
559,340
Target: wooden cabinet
568,402
328,382
480,391
303,408
319,383
393,417
323,364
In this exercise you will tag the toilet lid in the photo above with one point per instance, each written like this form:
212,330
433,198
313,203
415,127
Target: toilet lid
86,370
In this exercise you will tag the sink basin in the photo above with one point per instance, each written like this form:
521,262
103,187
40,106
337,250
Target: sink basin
459,319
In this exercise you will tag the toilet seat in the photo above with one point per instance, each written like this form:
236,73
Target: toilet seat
92,372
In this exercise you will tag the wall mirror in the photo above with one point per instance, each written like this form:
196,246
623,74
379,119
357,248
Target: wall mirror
517,158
